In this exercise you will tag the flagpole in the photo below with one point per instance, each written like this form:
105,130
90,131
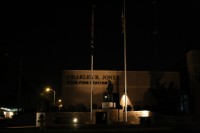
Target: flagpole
19,85
92,52
125,66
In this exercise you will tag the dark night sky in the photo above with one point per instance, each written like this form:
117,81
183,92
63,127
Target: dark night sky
53,38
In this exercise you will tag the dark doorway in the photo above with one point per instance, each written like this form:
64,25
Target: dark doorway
101,117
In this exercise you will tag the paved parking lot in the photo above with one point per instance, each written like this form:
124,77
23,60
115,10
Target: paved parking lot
99,128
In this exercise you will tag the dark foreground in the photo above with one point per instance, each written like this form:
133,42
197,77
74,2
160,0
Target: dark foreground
101,128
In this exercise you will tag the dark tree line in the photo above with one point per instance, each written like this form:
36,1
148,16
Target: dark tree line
167,97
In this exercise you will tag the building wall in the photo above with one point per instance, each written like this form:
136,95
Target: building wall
76,85
193,64
113,116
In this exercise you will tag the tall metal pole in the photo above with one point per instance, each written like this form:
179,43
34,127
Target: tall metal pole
54,94
19,84
155,33
125,66
92,52
54,97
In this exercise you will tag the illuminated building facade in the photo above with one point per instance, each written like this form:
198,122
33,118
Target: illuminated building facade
76,86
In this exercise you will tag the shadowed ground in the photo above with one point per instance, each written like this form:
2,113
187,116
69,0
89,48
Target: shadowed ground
101,128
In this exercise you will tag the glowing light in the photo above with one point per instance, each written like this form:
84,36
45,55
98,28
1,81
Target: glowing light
48,89
8,114
8,109
54,94
75,120
144,113
122,101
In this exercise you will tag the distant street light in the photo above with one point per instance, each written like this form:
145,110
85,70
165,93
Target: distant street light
59,101
59,104
54,94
